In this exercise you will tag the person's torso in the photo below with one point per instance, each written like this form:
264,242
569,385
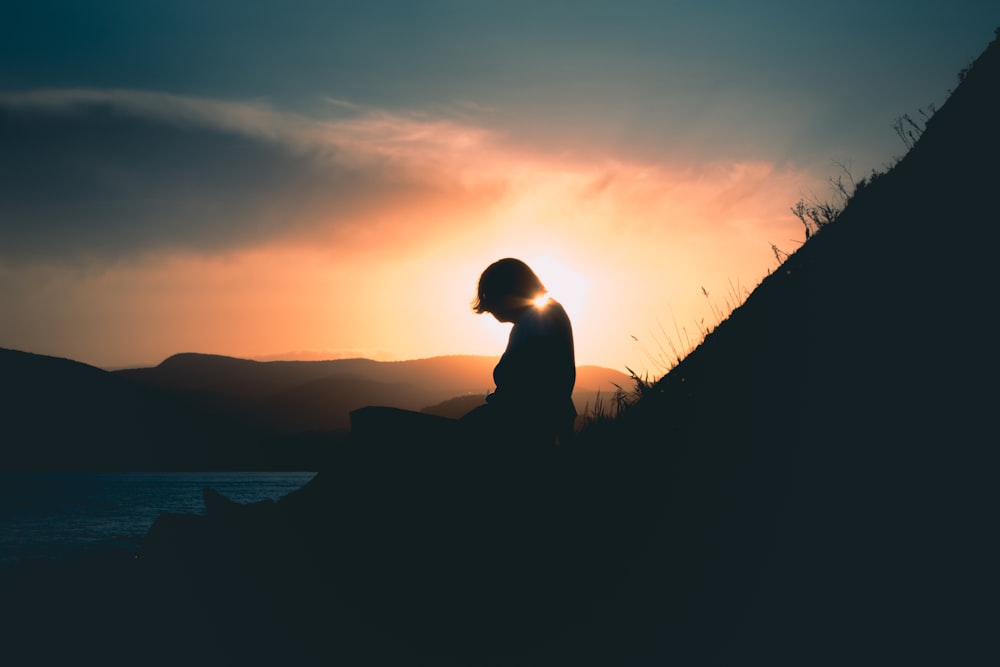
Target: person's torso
538,369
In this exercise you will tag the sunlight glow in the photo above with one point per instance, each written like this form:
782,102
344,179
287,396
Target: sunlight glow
567,286
613,242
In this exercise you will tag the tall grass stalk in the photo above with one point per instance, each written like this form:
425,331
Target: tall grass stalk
670,350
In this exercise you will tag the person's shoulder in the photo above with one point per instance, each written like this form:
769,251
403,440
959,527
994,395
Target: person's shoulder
542,319
554,311
556,307
550,320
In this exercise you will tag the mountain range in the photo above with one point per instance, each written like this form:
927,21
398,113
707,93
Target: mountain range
199,411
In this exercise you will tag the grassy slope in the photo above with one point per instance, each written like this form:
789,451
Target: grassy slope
826,447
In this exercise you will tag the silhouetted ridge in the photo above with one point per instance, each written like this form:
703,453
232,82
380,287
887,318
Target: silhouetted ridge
826,442
48,402
241,378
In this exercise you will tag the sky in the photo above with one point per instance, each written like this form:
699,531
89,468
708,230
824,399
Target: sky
328,179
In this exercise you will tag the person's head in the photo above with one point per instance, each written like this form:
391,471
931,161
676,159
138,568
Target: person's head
506,287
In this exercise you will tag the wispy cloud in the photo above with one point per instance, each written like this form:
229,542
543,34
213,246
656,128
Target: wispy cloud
371,132
100,173
253,120
91,172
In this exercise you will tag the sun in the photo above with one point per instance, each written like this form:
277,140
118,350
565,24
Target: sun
565,285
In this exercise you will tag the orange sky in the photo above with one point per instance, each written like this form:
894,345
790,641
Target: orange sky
627,248
330,179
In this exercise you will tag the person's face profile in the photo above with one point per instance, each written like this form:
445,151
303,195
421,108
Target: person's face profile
507,309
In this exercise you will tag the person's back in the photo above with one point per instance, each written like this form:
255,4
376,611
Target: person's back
535,376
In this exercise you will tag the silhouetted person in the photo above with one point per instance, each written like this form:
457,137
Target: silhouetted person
534,379
535,376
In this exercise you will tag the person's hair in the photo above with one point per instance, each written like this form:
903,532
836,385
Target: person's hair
503,280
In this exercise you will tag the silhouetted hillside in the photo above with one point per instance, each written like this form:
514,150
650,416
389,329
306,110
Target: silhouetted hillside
59,414
828,445
48,402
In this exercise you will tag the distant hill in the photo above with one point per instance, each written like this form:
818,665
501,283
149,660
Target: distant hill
320,394
59,414
47,403
197,411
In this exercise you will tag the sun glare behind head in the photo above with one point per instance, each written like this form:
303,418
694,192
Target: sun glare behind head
540,301
566,286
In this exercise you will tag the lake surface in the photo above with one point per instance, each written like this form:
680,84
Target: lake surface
68,516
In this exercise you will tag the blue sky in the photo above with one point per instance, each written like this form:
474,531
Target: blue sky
655,146
620,72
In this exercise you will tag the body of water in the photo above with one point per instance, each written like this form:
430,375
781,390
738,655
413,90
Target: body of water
68,516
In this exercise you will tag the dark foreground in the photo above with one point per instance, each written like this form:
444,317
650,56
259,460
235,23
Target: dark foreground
623,554
401,555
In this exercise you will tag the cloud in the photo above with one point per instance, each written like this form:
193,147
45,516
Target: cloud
91,177
88,173
188,222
